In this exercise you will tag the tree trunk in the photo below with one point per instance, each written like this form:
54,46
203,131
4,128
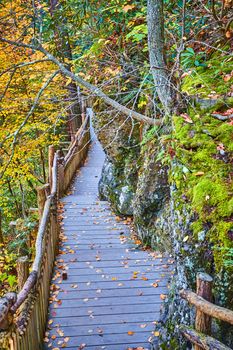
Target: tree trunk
163,79
64,51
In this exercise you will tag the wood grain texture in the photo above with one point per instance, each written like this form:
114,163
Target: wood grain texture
113,287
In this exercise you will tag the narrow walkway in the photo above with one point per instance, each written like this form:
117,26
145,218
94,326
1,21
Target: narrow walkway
111,293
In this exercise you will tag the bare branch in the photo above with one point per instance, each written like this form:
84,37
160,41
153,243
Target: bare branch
24,64
95,90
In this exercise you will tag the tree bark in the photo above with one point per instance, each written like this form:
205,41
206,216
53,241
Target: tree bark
22,271
208,308
162,78
204,290
64,51
201,340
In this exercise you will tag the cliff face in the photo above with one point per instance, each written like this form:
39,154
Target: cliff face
178,190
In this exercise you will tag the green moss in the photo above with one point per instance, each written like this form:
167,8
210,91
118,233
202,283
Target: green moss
209,79
204,161
208,193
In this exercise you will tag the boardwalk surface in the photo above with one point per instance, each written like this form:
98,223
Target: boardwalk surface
113,291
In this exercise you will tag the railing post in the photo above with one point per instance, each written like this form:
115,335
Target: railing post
50,161
22,271
61,174
204,290
42,193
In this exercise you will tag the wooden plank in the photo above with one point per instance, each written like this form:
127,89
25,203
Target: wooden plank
107,310
143,346
106,339
74,293
107,329
113,263
117,270
126,277
110,285
102,302
107,319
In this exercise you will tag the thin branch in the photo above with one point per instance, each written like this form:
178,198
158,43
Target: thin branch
95,90
17,132
8,84
24,64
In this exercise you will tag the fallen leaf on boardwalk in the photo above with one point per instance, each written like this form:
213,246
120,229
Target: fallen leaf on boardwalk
85,300
100,331
82,346
156,334
155,285
53,336
144,278
143,325
55,349
50,322
66,339
98,258
98,291
60,332
130,333
163,296
114,279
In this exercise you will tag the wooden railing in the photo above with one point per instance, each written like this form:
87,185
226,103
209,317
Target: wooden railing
205,311
23,316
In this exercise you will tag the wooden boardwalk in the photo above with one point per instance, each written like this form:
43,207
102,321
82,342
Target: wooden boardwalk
111,292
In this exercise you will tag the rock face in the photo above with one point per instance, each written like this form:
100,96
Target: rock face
175,216
151,201
116,189
120,140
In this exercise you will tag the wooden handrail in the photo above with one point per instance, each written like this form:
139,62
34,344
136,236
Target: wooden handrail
77,137
221,313
33,311
205,311
199,339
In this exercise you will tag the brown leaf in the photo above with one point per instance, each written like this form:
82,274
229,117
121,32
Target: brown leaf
187,118
155,285
144,278
130,333
163,296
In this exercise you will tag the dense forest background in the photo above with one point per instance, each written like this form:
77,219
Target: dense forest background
159,78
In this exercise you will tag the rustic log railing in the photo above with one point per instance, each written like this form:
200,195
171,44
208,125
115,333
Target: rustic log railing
23,316
205,311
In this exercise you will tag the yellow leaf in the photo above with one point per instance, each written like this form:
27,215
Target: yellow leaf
130,333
